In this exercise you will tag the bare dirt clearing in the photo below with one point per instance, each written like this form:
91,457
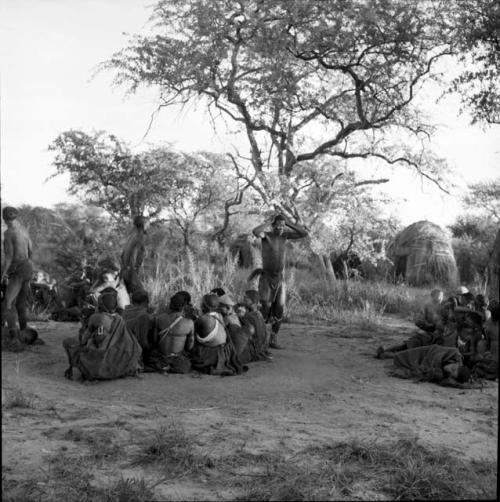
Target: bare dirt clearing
324,388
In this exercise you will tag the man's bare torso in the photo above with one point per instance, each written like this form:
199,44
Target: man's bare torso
17,243
133,251
273,253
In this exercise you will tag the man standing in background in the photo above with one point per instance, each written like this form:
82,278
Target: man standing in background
272,274
133,256
17,271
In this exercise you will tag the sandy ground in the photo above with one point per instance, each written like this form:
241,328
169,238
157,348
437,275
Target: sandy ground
325,386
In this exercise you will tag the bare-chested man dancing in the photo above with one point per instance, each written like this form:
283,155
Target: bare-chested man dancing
17,272
271,284
133,256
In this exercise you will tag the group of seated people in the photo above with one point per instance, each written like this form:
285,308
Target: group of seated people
457,341
117,339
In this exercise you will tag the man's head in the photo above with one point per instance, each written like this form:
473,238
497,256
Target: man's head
109,276
108,300
209,303
251,299
204,325
141,223
481,302
458,372
218,291
186,296
494,308
240,310
467,300
9,213
140,297
437,295
461,290
279,224
226,304
178,302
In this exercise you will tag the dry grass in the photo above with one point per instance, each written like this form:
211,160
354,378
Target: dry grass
17,397
400,470
171,448
309,296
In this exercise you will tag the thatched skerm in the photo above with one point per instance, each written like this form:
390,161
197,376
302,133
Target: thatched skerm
422,254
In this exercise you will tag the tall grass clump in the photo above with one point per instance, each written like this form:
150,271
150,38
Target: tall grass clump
190,272
313,297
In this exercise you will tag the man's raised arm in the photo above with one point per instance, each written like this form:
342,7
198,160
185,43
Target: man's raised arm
260,230
298,231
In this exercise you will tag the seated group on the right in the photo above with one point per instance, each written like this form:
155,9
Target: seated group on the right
458,341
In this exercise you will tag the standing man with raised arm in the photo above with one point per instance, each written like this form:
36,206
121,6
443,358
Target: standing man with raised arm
133,255
271,283
16,272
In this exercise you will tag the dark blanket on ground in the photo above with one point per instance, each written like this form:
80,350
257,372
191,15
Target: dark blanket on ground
421,339
115,355
257,344
425,363
221,360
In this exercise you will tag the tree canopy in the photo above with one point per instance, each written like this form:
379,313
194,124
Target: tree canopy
302,79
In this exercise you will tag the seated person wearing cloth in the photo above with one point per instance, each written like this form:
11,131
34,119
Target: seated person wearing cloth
486,365
238,333
139,321
105,349
214,352
430,319
259,341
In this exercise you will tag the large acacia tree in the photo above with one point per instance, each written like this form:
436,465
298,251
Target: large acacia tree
303,79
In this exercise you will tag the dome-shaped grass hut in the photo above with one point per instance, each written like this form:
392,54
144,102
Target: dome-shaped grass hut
422,254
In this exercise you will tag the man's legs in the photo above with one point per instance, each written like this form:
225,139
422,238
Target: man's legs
265,296
12,291
277,310
389,353
22,304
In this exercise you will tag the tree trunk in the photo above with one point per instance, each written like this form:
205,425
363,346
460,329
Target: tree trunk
330,274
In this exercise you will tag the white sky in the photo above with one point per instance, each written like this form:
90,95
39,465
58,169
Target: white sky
48,50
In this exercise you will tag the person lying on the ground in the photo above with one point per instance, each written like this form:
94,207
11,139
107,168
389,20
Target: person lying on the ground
432,363
105,349
213,351
259,341
481,304
431,317
111,279
173,339
139,321
239,333
419,339
486,364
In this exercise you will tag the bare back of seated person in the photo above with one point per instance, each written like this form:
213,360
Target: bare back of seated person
174,338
